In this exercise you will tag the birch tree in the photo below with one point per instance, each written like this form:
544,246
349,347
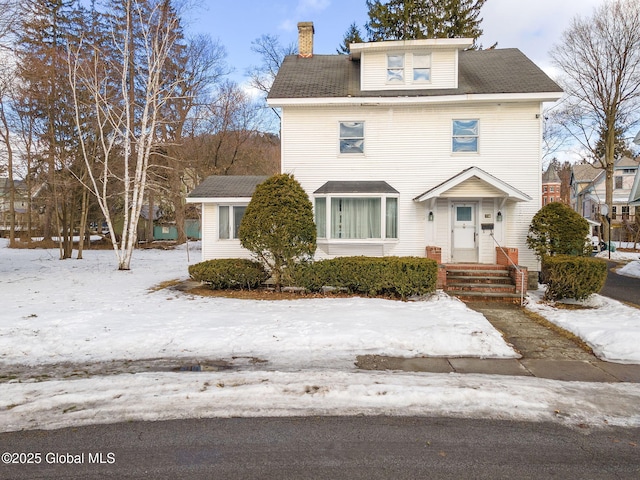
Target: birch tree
125,95
600,59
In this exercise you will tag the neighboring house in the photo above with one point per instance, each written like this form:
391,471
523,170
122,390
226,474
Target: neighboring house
589,194
551,186
20,205
418,147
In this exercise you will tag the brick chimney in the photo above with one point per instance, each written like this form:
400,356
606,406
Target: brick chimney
305,39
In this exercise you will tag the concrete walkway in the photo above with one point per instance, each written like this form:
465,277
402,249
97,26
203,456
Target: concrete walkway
545,353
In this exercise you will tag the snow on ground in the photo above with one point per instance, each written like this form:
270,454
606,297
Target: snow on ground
86,311
609,327
631,269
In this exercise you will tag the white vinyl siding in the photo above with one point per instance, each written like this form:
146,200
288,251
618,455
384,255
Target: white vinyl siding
212,245
443,70
409,147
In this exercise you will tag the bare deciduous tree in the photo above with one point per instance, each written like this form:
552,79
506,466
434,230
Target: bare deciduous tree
127,139
600,59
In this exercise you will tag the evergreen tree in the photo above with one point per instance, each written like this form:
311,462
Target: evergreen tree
416,19
47,28
352,35
557,229
278,225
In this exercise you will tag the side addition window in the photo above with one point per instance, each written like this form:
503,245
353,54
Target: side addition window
395,68
229,219
422,68
352,137
465,136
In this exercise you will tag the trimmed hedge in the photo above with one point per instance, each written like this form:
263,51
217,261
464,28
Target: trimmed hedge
394,276
229,273
572,277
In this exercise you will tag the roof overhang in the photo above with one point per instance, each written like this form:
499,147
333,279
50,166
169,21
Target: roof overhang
226,200
373,101
357,187
509,192
357,49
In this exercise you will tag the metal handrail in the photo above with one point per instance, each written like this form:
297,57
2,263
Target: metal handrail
518,269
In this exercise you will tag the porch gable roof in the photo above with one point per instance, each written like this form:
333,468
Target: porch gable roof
509,192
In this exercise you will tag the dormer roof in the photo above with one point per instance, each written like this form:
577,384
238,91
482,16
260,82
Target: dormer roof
336,78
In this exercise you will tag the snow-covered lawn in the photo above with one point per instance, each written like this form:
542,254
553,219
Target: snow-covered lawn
86,311
609,327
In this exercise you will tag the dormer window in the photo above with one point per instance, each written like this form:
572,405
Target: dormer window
395,68
421,68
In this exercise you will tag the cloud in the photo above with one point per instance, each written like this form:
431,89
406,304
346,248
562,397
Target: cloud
302,12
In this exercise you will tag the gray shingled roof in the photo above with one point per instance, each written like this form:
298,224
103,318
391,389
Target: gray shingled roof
356,187
585,172
480,72
227,186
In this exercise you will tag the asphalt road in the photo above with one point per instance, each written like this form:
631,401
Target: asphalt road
325,448
619,287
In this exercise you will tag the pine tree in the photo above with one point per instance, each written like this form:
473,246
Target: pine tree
47,28
417,19
352,35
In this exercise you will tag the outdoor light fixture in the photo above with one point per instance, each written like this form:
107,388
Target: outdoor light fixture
499,217
431,216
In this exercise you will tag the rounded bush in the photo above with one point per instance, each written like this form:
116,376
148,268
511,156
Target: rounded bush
558,230
573,277
229,273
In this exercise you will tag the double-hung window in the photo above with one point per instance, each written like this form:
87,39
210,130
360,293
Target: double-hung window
421,68
395,68
229,218
465,136
352,137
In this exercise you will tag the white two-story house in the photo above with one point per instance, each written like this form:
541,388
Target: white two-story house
406,148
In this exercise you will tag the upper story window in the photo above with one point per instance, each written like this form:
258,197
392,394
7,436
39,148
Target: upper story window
229,218
395,68
352,137
421,68
465,136
618,180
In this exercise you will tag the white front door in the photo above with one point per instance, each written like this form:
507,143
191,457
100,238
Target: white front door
464,236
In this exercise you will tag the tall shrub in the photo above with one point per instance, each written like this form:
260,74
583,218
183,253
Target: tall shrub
558,230
278,225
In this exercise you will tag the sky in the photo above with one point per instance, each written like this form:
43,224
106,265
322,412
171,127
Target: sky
72,332
532,26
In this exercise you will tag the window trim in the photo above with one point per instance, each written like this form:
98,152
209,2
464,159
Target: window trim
476,136
384,205
401,70
428,69
231,233
341,138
